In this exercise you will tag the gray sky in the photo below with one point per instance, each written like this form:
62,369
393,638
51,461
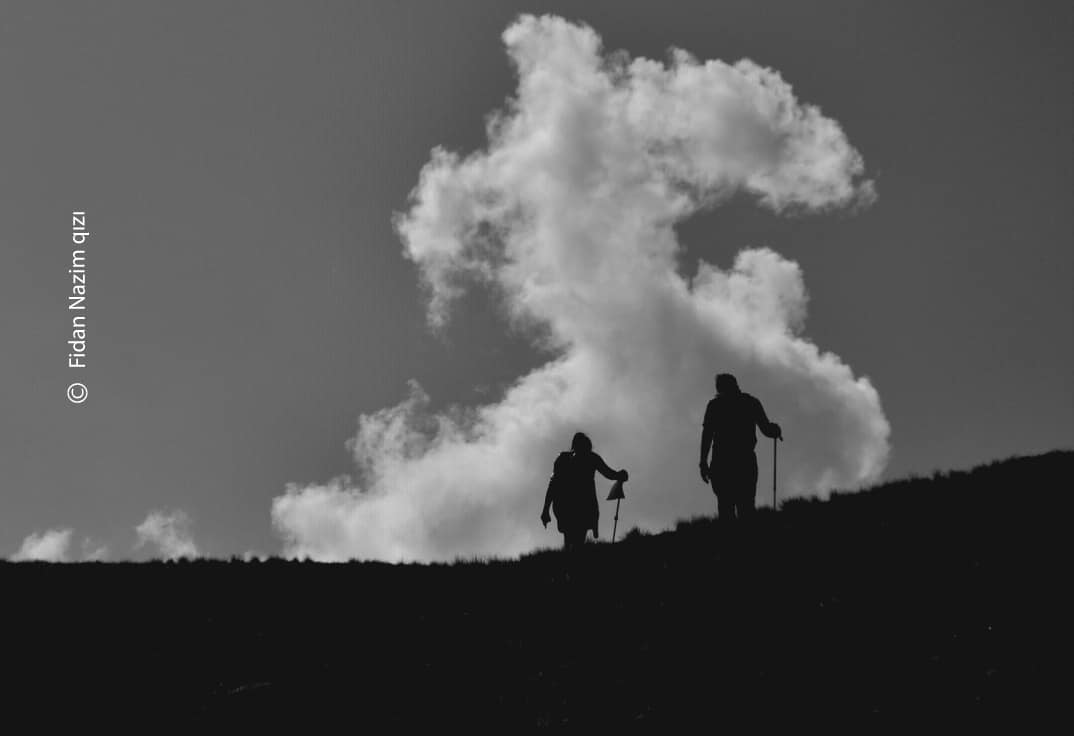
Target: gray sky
239,165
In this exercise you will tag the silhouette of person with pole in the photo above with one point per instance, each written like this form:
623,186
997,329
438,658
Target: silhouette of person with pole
728,428
571,493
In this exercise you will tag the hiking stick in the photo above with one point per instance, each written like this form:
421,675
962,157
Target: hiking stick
618,495
775,444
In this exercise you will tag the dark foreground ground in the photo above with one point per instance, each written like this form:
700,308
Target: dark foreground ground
915,604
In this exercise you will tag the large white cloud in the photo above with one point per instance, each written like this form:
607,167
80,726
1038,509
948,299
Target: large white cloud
569,214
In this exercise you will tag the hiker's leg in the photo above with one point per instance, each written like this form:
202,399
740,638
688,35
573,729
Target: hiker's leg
731,485
573,539
748,487
725,507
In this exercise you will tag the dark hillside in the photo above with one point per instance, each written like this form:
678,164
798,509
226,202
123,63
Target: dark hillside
917,600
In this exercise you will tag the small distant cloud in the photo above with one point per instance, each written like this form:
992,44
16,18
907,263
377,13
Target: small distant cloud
169,532
48,546
92,552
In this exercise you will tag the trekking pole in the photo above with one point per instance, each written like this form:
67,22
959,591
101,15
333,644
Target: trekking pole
775,444
618,495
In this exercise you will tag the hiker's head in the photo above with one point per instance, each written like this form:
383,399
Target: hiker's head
726,384
581,443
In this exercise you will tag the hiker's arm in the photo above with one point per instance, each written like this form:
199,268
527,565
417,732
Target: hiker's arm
768,429
545,516
607,472
706,441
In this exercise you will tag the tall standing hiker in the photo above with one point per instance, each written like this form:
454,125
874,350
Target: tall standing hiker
730,419
571,493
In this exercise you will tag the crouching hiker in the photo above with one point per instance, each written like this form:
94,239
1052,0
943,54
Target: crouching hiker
572,495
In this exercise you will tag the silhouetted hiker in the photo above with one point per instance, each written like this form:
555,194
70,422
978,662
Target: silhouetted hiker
730,418
571,493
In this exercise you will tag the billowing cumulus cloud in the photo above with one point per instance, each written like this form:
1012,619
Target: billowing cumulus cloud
51,545
569,215
168,533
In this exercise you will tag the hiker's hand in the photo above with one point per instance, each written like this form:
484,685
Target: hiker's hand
623,475
545,517
778,431
704,473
